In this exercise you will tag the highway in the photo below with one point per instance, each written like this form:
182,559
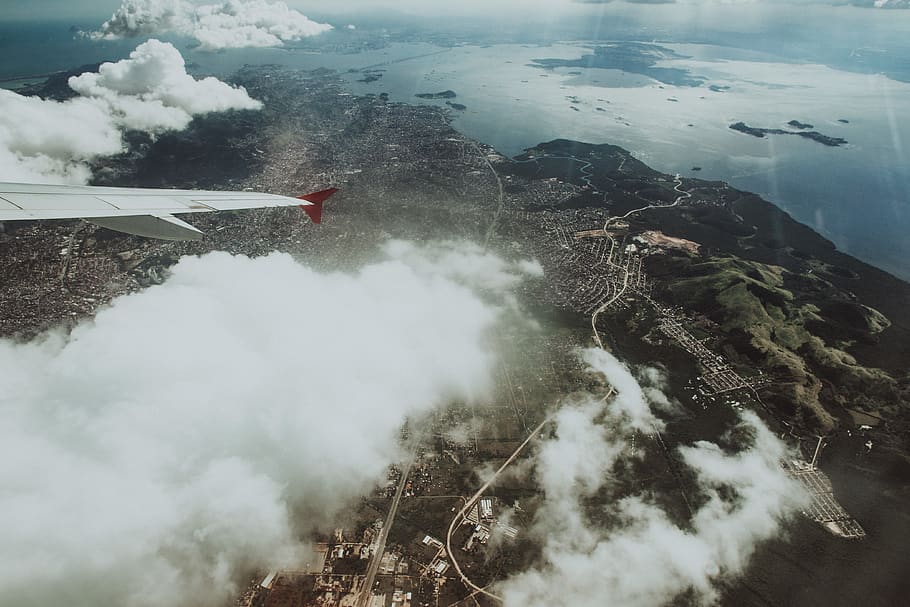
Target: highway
469,503
375,560
502,196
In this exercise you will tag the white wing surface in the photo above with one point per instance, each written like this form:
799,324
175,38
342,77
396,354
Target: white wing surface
140,211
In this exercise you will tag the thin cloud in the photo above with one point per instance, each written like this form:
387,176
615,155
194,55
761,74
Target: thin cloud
645,558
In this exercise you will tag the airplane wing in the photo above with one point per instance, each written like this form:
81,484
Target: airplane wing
140,211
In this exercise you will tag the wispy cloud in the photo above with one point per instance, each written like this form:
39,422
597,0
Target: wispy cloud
642,557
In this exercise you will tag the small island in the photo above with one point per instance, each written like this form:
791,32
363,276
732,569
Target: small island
796,124
742,127
456,106
631,57
442,95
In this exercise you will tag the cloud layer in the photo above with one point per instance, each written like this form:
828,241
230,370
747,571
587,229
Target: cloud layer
193,429
52,141
643,558
231,24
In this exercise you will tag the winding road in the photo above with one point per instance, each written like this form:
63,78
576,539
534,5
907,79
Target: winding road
586,169
470,503
625,281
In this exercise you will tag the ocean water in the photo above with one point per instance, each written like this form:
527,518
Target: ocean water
857,195
40,48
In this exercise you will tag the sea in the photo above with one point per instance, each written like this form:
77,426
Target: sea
857,195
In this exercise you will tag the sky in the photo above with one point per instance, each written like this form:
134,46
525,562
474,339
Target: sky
64,9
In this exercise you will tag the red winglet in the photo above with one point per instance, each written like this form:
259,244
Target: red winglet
317,198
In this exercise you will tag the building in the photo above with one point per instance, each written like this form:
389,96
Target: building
486,508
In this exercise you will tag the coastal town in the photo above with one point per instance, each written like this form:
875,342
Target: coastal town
450,520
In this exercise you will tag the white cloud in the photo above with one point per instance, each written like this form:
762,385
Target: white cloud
231,24
194,429
631,403
473,263
46,140
146,17
151,90
466,261
645,558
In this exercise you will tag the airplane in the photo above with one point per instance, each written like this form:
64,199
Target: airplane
140,211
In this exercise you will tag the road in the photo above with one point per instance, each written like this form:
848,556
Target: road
605,305
586,172
502,196
625,280
401,60
469,503
367,590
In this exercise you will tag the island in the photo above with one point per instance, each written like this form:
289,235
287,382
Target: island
441,95
631,57
742,127
370,77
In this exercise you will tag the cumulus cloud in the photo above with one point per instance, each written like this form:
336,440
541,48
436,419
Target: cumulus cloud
196,428
644,558
231,24
151,90
46,140
146,17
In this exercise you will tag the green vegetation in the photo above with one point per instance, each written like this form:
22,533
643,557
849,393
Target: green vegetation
797,329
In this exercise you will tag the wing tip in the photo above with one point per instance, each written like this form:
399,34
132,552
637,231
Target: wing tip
316,200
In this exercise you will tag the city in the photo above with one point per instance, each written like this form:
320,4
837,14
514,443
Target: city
451,520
